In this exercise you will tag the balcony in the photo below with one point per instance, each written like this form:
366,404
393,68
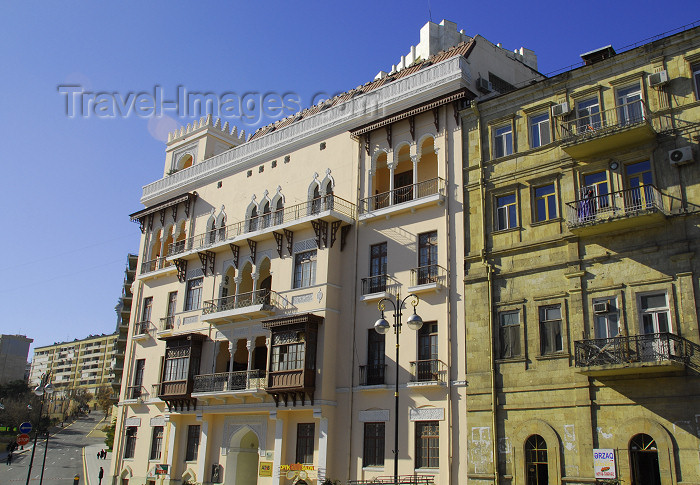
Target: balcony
403,199
612,129
376,287
142,330
156,267
136,394
329,208
244,306
166,326
649,353
624,209
373,375
430,277
230,383
428,372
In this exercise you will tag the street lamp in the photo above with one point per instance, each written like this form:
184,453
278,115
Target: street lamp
414,322
44,388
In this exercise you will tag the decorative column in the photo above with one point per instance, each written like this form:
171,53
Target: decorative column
391,166
370,191
255,277
237,282
249,345
231,351
322,444
414,161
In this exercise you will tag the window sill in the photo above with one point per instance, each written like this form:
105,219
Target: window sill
558,355
373,468
507,360
548,221
509,229
434,471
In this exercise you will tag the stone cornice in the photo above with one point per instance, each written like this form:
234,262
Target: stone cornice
420,87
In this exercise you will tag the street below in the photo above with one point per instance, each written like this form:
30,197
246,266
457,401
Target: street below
64,459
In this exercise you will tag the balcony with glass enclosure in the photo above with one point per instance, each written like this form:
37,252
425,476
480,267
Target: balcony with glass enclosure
594,132
624,209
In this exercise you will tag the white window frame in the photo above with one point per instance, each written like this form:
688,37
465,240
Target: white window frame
612,317
506,208
503,134
537,125
501,314
542,324
654,311
308,277
695,70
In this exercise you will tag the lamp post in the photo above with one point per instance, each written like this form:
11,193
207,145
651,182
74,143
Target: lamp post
44,388
382,327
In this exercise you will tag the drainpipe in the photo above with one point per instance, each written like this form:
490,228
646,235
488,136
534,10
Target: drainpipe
489,275
449,313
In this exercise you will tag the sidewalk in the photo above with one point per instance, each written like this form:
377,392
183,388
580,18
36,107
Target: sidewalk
91,464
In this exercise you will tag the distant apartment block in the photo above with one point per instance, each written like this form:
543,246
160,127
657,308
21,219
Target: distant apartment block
13,357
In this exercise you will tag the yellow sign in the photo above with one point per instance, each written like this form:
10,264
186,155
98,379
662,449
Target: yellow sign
296,467
265,469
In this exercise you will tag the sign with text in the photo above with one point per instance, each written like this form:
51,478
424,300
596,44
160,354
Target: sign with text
22,439
604,463
265,469
162,469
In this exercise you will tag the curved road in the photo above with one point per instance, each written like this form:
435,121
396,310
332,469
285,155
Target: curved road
64,458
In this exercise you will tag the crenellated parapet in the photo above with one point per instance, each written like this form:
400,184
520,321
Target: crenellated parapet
207,122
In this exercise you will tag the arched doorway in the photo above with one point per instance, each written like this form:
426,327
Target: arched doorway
242,459
644,460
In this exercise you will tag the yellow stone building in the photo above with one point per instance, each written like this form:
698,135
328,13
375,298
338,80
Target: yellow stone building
581,223
251,354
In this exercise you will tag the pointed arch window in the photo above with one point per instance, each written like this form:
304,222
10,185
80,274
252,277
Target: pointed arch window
328,199
316,201
279,212
253,220
266,215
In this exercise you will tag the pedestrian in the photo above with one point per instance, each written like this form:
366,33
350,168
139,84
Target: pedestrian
100,475
99,455
9,458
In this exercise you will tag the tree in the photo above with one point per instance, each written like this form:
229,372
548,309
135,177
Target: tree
103,396
81,398
109,432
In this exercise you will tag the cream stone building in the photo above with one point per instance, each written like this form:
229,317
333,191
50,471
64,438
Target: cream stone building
581,234
251,356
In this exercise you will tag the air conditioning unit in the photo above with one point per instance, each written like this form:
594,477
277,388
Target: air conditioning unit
601,307
560,109
483,85
680,156
658,79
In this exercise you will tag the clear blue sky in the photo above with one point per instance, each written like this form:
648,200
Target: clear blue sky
70,183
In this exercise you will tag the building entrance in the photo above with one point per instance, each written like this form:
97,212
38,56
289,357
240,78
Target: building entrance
644,461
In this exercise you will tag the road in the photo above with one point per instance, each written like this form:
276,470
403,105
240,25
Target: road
64,458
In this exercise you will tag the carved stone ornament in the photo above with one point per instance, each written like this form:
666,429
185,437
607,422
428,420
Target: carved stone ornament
427,414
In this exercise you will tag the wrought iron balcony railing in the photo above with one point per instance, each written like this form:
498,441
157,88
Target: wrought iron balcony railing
430,370
652,347
372,374
269,220
230,381
622,203
241,300
402,194
375,284
424,275
597,124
